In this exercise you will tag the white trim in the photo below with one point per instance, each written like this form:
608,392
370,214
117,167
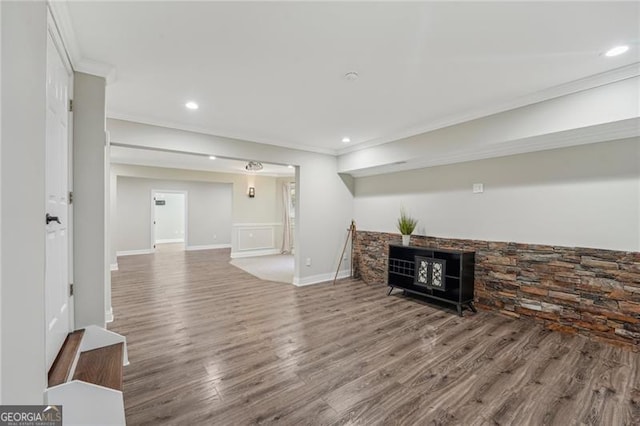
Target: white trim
60,13
623,129
194,153
254,253
320,278
207,247
54,31
591,82
108,315
135,252
100,69
114,266
260,224
170,240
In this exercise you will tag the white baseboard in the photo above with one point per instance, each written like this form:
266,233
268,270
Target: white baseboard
114,266
254,253
320,278
135,252
170,240
108,315
208,247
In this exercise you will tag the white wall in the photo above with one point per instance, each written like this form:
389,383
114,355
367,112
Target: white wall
586,196
325,203
208,212
89,205
23,26
0,203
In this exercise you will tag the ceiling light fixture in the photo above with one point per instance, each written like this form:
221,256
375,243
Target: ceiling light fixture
212,157
191,105
618,50
346,140
254,166
351,76
290,166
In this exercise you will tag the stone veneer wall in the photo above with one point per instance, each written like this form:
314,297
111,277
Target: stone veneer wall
575,290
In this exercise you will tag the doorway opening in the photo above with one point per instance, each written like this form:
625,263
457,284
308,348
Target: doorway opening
169,220
267,250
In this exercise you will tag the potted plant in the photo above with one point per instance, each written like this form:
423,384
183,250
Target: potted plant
406,225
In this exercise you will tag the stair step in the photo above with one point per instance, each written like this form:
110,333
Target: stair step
61,367
102,366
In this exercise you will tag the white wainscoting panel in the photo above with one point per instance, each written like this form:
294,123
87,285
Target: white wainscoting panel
254,239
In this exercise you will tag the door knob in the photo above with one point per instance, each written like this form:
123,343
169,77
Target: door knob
50,218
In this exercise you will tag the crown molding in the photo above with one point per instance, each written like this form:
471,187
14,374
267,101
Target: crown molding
100,69
62,18
591,82
212,132
623,129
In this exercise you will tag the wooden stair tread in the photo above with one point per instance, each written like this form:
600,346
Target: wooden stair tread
101,366
61,367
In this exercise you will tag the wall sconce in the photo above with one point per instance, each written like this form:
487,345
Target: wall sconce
252,192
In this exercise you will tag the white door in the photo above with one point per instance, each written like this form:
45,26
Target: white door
169,217
57,297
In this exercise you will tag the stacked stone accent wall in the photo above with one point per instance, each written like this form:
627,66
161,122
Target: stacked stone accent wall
574,290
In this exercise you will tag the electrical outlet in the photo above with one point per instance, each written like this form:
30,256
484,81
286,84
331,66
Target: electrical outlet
478,188
215,236
308,263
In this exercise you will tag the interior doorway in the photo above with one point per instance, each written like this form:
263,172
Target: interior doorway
169,220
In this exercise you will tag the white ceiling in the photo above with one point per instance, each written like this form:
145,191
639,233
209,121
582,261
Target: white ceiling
156,158
273,71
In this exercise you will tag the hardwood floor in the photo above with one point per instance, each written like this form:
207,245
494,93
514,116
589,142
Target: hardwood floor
210,344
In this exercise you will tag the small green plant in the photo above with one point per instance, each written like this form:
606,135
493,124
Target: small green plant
406,224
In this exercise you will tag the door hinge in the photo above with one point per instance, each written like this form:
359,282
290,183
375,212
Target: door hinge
70,289
70,105
70,197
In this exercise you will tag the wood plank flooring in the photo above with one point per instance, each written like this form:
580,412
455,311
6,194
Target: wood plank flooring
61,367
210,344
101,366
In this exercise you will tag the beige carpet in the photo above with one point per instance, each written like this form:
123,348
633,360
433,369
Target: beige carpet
270,268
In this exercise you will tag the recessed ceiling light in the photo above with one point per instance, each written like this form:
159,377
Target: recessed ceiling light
618,50
191,105
351,76
346,140
290,166
212,157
